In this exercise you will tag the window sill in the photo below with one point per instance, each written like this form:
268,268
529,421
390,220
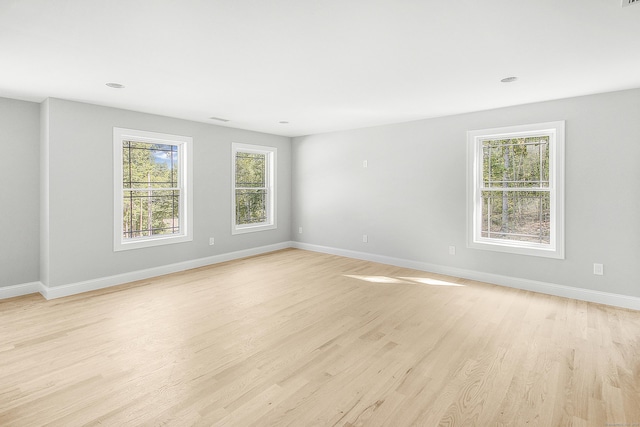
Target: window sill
150,242
252,228
518,249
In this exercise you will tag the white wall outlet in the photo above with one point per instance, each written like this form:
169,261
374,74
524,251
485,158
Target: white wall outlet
211,241
452,250
598,269
365,164
365,238
299,230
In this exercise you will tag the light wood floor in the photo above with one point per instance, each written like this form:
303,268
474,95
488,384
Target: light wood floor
300,338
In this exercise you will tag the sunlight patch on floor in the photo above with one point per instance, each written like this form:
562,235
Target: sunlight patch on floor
432,282
405,280
376,279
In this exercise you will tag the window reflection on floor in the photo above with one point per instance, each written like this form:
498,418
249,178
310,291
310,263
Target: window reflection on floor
405,280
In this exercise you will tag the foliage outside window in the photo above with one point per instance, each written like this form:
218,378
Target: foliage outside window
152,194
253,192
516,189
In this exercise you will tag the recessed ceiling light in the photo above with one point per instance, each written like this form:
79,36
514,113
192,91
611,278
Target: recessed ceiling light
115,85
283,122
509,79
220,119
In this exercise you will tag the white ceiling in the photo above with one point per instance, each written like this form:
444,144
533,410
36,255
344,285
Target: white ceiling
322,65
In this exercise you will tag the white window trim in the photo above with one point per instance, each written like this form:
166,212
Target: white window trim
556,189
271,223
185,179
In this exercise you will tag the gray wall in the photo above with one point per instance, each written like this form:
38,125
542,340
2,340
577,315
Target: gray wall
411,200
80,240
19,192
44,191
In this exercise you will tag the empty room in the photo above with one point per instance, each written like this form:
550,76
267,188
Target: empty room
320,213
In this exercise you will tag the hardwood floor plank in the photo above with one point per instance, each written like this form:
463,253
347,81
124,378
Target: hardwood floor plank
300,338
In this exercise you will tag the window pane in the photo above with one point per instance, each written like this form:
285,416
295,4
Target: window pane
126,166
516,215
150,212
251,170
149,165
251,206
516,163
174,167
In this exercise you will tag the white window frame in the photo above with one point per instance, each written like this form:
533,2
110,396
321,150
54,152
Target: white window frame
185,179
271,156
556,131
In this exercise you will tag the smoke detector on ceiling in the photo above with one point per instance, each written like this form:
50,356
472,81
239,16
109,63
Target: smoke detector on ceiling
626,3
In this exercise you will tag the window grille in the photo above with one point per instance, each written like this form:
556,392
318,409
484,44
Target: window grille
151,192
516,189
152,196
253,192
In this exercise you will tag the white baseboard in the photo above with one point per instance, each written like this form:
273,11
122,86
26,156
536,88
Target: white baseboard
615,300
51,292
20,290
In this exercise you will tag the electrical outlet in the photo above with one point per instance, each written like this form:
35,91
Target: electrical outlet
211,241
452,250
365,238
299,230
598,269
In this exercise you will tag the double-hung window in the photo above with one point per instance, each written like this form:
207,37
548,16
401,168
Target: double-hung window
253,194
516,189
152,189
